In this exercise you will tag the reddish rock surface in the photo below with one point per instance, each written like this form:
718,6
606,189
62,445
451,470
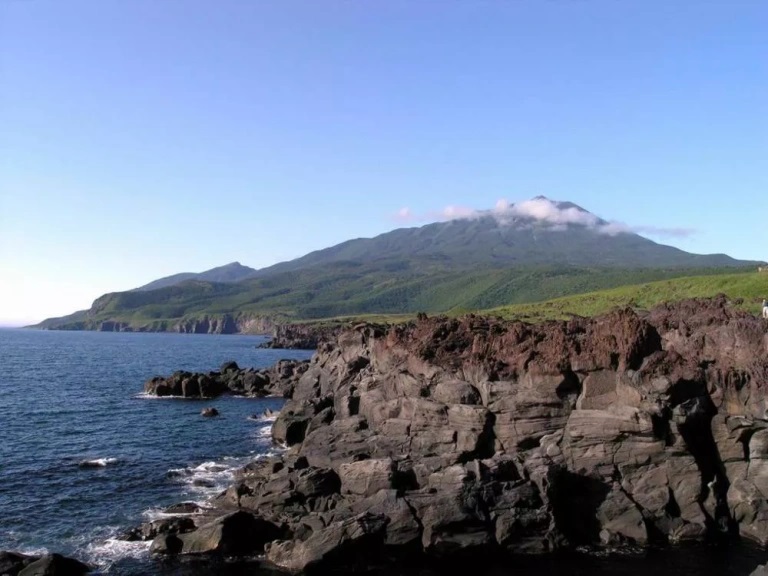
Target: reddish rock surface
457,435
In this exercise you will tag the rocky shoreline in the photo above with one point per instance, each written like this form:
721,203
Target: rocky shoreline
453,438
277,380
15,564
306,336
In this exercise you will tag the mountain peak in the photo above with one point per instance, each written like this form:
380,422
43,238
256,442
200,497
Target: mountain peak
228,273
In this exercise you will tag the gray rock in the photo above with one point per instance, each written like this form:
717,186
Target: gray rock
12,563
366,477
239,533
55,565
355,536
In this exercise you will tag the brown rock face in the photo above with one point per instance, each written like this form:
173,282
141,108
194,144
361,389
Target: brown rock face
450,435
302,336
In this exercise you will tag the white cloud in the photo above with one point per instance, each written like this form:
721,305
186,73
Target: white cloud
502,205
451,212
404,214
664,232
544,211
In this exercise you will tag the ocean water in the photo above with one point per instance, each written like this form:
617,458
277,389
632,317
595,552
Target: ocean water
85,456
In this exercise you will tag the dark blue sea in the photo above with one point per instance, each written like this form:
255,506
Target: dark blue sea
67,398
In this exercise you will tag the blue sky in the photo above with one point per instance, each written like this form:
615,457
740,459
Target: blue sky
139,138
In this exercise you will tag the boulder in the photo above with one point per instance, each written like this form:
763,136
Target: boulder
290,429
230,366
11,563
166,544
209,412
55,565
183,508
317,482
150,530
344,542
366,477
238,533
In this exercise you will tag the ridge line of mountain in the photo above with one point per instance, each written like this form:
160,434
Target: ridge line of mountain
537,250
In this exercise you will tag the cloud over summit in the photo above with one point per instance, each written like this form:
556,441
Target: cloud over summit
542,211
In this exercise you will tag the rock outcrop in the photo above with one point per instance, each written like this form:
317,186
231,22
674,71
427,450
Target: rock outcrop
302,336
15,564
446,437
279,380
234,323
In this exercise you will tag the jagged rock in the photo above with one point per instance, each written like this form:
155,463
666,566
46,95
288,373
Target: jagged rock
466,434
279,380
150,530
290,429
301,336
366,477
11,563
183,508
55,565
354,537
166,544
317,482
230,366
238,533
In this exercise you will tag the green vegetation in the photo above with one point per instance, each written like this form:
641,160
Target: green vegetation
448,267
530,294
750,288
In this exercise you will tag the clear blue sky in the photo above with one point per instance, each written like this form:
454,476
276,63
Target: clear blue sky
140,138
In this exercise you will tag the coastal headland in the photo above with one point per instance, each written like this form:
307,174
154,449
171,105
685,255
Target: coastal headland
455,437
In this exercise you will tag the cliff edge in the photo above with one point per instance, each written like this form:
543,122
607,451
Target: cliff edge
445,436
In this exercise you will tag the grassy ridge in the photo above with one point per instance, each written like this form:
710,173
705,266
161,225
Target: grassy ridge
750,287
531,294
350,289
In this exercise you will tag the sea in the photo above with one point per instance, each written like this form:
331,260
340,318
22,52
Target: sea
85,456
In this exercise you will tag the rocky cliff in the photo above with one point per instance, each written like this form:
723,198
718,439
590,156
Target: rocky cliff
452,436
305,336
206,324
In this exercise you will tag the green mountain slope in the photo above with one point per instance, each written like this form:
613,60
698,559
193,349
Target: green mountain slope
486,241
468,264
341,291
232,272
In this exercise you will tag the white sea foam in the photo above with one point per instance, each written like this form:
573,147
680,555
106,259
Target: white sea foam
146,396
97,462
153,514
266,417
209,478
263,432
33,551
105,553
